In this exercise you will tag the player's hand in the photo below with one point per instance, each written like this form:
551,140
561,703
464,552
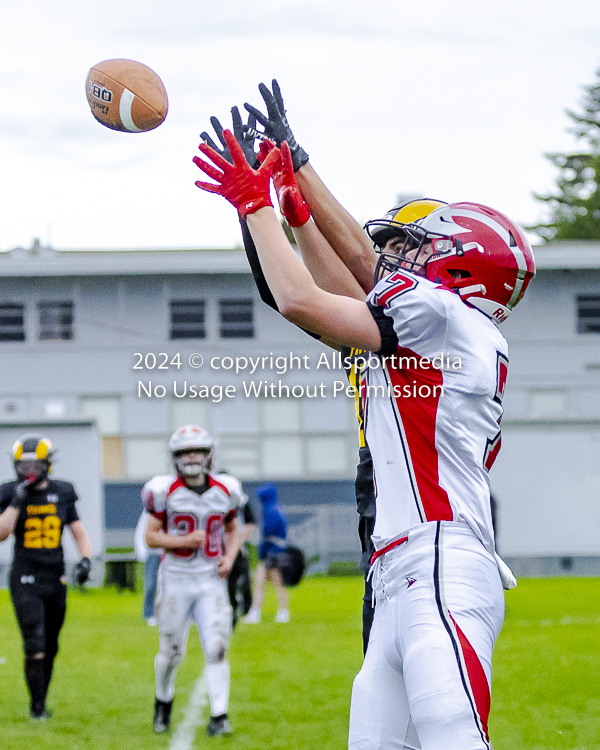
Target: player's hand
195,539
245,188
81,571
21,492
244,135
291,203
275,124
224,566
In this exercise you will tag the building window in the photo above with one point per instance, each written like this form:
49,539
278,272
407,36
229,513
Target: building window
187,319
588,313
56,321
105,411
548,403
236,319
12,322
113,464
145,458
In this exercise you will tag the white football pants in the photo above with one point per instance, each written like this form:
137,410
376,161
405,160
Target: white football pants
425,682
202,598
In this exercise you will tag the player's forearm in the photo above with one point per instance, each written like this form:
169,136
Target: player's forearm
323,263
8,521
81,539
162,540
232,541
248,531
288,278
345,235
336,317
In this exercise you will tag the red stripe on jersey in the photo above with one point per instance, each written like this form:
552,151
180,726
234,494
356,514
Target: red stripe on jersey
148,498
177,483
477,679
418,414
212,482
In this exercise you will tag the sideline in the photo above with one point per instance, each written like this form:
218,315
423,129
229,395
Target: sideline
184,734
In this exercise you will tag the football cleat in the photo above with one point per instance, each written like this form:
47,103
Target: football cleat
162,716
253,616
282,616
218,725
39,713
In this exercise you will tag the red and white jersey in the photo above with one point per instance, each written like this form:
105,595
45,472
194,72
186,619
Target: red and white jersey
182,511
433,411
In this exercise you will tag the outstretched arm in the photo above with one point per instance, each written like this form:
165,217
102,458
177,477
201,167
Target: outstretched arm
346,320
326,268
339,318
345,235
340,230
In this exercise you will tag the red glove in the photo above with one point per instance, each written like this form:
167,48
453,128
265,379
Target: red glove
291,203
245,188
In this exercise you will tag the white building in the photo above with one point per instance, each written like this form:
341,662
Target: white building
88,334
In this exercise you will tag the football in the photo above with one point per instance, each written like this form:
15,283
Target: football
126,95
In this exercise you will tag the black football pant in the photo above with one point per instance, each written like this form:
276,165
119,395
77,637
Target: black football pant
40,607
239,587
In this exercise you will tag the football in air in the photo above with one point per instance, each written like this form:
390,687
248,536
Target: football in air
126,95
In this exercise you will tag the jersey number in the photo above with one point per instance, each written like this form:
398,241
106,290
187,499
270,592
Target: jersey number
214,524
42,533
492,447
398,283
185,524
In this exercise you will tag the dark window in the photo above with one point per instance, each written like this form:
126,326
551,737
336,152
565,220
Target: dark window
12,322
588,313
236,319
56,321
187,319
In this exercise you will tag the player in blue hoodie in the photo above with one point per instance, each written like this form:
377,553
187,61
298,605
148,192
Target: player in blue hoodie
272,545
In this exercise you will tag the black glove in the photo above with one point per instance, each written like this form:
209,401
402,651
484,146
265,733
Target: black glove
244,135
81,571
275,123
19,497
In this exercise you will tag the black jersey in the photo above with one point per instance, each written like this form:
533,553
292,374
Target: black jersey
40,525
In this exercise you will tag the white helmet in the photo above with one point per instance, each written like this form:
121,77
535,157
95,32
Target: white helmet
187,439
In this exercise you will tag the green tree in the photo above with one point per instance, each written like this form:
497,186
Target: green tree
575,207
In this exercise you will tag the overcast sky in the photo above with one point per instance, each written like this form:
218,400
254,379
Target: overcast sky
454,100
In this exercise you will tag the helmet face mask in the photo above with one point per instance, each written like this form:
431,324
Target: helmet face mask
191,449
187,464
409,253
32,458
401,225
475,251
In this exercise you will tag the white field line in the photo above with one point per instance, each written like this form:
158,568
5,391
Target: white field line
184,734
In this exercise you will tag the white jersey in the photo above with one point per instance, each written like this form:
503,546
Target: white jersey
183,511
433,431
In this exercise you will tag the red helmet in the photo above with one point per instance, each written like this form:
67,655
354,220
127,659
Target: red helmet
477,251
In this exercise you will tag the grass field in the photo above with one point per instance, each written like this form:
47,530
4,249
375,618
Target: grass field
291,683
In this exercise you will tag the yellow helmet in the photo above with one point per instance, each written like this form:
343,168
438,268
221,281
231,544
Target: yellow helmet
32,457
406,212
